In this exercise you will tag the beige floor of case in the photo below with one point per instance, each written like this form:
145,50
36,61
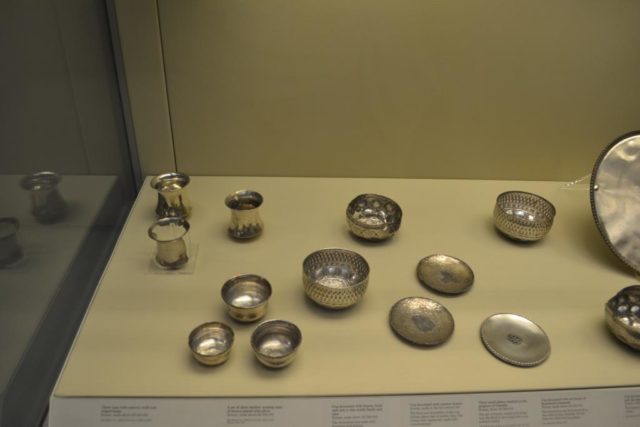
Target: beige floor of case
134,338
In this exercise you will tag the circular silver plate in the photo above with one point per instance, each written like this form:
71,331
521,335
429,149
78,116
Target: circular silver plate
421,321
515,339
445,273
614,197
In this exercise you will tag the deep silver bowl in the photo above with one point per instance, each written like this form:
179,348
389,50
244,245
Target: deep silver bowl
275,343
335,278
523,216
211,342
373,217
622,313
246,297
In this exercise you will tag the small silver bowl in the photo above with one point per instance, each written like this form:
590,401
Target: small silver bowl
211,342
523,216
622,313
373,217
275,343
335,278
246,297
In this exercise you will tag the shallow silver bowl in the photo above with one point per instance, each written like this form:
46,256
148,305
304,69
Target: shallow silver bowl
421,321
211,342
335,278
275,343
622,313
373,217
445,273
246,297
523,216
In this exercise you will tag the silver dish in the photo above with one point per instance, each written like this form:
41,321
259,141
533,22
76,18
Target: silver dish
515,340
172,197
445,273
373,217
335,278
622,314
421,321
47,205
523,216
614,197
211,343
275,343
246,297
245,215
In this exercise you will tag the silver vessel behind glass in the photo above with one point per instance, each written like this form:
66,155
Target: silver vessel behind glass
169,235
172,197
245,216
47,205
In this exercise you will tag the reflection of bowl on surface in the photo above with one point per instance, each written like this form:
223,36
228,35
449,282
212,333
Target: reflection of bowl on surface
373,217
275,343
335,278
246,297
523,216
211,342
622,313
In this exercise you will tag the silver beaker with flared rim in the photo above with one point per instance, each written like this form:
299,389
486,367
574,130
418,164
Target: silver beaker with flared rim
172,197
169,235
47,205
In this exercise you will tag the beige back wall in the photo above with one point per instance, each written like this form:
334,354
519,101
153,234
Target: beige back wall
494,89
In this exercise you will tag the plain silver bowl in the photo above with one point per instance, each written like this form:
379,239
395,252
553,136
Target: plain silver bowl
335,278
373,217
622,313
211,342
246,297
523,216
275,343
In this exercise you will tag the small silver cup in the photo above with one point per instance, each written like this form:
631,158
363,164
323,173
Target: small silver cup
10,250
47,205
245,217
172,197
169,235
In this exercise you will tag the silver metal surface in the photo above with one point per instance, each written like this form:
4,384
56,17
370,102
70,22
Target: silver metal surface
523,216
171,247
172,197
515,340
246,297
47,205
622,314
335,278
245,217
10,250
445,273
614,197
211,343
275,343
373,217
421,321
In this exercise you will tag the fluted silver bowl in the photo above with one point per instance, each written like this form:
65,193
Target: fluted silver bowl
523,216
373,217
335,278
622,313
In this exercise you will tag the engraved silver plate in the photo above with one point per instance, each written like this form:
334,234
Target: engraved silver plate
421,321
615,204
445,274
515,339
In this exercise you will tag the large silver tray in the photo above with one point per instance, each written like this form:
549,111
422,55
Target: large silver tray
615,197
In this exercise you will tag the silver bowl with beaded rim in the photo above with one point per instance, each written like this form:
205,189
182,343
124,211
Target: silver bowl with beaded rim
523,216
335,278
622,314
373,217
